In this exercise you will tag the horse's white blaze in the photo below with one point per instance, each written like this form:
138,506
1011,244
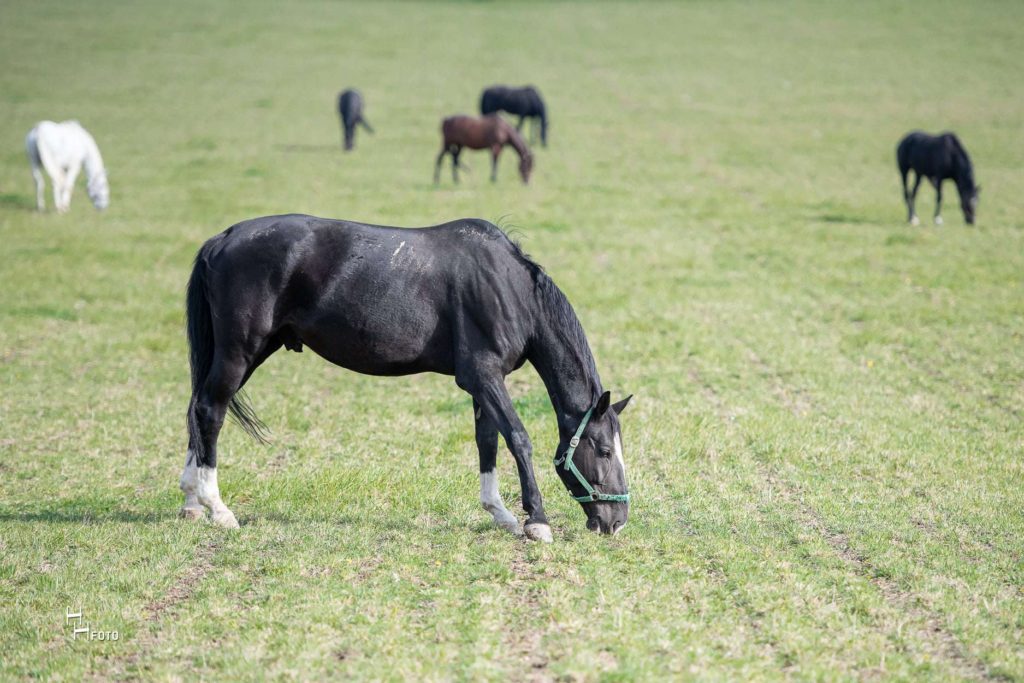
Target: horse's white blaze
491,500
618,455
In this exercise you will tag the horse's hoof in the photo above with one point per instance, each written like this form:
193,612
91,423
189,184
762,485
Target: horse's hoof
224,518
938,220
915,221
539,532
191,513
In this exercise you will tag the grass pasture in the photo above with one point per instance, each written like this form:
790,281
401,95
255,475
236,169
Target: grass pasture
825,444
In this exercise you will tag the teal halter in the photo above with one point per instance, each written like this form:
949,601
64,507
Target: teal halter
592,495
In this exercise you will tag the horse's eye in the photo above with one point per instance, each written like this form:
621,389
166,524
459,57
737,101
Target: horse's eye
606,453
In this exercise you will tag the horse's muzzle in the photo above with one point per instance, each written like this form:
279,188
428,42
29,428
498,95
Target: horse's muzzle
608,525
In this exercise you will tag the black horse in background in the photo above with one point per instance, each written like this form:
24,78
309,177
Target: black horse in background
457,299
937,157
350,108
524,102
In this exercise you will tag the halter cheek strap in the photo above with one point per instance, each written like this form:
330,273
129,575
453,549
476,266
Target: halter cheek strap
592,494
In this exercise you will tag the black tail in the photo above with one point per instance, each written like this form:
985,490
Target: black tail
199,328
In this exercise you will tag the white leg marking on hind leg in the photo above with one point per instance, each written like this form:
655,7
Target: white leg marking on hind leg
491,500
938,220
209,495
915,220
189,484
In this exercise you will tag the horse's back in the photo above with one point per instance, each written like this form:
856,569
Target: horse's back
930,155
375,299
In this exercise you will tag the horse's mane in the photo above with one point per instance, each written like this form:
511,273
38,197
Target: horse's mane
553,300
964,161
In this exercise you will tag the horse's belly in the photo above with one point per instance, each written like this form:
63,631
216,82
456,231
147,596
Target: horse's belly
371,350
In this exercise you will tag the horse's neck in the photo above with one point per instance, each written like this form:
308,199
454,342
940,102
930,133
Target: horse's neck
516,140
561,355
93,162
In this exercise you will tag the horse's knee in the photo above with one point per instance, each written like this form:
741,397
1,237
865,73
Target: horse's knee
519,443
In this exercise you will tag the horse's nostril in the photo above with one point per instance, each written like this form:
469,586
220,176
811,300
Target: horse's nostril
617,526
593,525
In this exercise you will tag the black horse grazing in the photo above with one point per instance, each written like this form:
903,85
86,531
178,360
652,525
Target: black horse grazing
937,157
524,102
350,108
459,299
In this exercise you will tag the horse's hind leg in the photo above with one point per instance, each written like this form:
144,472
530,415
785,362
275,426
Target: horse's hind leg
40,188
487,445
229,372
937,182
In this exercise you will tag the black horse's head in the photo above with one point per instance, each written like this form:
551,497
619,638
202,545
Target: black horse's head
969,201
593,469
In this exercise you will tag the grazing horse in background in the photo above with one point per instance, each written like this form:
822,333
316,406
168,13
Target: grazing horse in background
937,157
457,299
62,149
487,132
524,102
350,108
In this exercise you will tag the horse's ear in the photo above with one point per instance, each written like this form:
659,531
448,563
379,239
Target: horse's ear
603,403
621,405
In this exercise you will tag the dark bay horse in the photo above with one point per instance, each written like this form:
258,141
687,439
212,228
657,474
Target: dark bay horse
525,102
350,108
937,157
487,132
458,299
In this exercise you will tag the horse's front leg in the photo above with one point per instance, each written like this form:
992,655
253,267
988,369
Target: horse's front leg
437,165
913,198
495,153
492,397
487,445
937,182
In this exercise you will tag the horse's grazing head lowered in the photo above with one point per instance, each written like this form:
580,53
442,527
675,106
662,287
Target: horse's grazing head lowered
969,201
592,468
526,167
99,190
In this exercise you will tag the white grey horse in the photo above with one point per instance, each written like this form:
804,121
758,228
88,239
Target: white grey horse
63,149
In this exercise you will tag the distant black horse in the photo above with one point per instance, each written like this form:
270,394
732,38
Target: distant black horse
458,299
937,157
350,108
524,102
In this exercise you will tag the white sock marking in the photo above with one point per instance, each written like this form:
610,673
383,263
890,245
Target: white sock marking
491,500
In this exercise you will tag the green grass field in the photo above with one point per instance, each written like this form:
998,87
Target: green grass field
825,444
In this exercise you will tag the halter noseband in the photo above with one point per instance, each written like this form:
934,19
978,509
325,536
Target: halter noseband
592,494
